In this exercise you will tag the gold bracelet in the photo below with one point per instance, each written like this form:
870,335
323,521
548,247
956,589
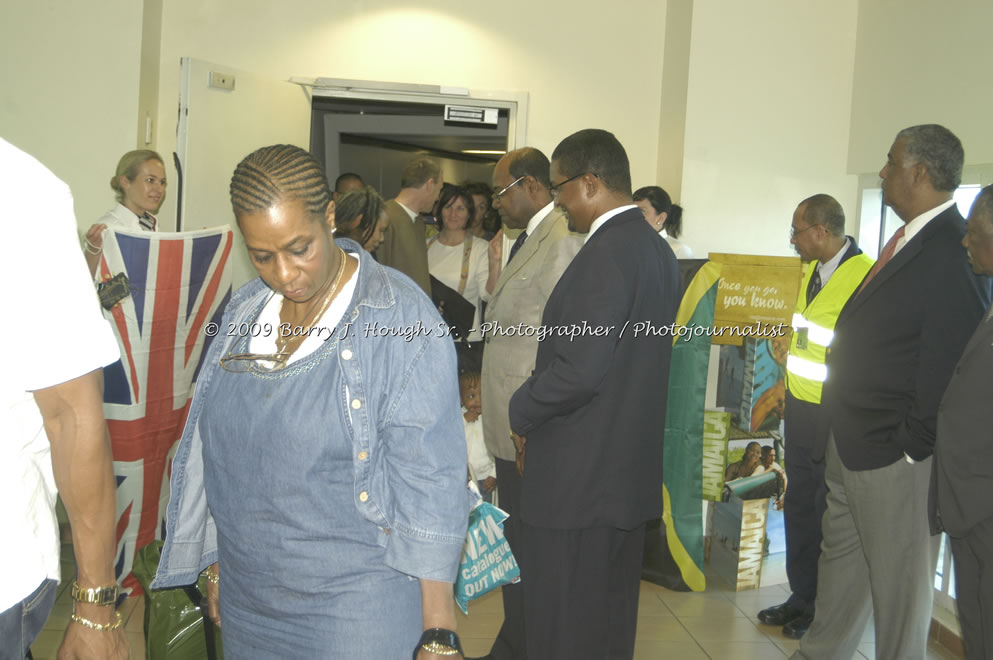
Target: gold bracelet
97,626
213,578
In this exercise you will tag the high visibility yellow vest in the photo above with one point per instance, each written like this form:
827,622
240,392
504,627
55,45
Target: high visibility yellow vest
813,326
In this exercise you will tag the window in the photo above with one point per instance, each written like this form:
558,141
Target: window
875,218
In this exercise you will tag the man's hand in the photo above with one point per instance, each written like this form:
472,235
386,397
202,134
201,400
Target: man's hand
82,643
495,261
495,249
489,483
519,444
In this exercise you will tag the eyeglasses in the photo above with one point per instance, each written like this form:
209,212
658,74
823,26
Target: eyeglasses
240,363
514,183
554,190
794,233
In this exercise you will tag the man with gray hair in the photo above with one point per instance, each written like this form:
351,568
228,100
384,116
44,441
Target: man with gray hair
403,244
963,457
894,348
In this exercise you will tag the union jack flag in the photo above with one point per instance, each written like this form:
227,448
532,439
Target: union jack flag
179,283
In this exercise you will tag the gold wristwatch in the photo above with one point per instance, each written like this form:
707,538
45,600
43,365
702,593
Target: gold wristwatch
97,596
440,642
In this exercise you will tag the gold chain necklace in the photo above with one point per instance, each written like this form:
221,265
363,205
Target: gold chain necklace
283,341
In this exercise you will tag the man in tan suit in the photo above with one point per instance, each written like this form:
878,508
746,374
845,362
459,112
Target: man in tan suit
536,261
403,245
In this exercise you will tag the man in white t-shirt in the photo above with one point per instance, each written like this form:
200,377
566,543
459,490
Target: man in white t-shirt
52,431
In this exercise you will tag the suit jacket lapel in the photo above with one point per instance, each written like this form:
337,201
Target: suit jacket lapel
526,252
902,258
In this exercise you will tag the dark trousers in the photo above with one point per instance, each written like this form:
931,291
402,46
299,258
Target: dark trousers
509,644
581,591
805,502
973,555
21,623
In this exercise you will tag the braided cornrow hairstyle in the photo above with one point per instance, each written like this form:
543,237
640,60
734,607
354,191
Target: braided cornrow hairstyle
366,203
279,173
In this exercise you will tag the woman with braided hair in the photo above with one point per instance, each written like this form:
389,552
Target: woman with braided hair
325,487
361,216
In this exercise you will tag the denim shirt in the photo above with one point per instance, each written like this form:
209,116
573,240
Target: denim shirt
401,394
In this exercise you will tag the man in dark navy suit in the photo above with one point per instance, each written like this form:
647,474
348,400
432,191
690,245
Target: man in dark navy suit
894,349
591,417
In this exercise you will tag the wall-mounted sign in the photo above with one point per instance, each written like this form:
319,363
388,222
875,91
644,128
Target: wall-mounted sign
470,114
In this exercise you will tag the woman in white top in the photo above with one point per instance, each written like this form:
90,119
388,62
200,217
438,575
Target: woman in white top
456,257
664,217
139,184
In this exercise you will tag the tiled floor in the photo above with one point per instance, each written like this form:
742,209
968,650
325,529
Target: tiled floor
717,624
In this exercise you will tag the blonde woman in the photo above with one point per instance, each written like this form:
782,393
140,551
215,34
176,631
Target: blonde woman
140,185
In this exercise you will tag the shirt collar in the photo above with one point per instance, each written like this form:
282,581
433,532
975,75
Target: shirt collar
602,220
538,217
413,214
833,262
918,223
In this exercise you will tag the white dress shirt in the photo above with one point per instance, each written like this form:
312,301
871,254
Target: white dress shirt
602,220
826,269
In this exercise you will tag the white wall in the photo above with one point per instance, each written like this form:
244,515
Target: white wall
584,66
767,116
922,62
70,75
773,88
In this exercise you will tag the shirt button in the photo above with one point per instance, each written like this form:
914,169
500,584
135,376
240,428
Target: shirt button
363,455
363,496
346,354
356,404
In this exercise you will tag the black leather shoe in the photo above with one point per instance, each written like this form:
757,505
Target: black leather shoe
779,615
796,628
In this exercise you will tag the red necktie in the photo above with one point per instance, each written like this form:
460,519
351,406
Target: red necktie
884,258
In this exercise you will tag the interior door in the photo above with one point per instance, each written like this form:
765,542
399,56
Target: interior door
225,114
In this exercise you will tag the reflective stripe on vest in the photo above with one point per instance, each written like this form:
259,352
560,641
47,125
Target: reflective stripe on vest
815,333
814,326
806,369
